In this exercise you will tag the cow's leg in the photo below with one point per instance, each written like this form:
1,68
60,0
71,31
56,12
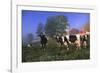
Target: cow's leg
58,44
66,44
44,46
85,44
67,47
77,45
61,44
82,44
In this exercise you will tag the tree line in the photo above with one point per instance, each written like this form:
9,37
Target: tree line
55,25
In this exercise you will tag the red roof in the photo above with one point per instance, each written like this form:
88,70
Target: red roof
74,31
82,31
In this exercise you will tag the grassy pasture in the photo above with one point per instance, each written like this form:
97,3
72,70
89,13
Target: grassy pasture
53,52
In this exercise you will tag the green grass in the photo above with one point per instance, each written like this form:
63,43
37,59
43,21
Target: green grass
52,52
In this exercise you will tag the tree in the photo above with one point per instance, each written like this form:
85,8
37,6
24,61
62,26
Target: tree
40,29
87,27
56,25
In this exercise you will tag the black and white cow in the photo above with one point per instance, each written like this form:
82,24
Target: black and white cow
76,40
85,40
43,40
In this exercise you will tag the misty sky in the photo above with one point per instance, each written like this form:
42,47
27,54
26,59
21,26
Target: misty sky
31,19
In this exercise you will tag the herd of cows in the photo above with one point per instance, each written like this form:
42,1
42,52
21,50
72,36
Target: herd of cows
76,40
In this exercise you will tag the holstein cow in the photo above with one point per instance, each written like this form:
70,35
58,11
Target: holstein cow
69,40
74,40
57,39
85,40
66,42
43,40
